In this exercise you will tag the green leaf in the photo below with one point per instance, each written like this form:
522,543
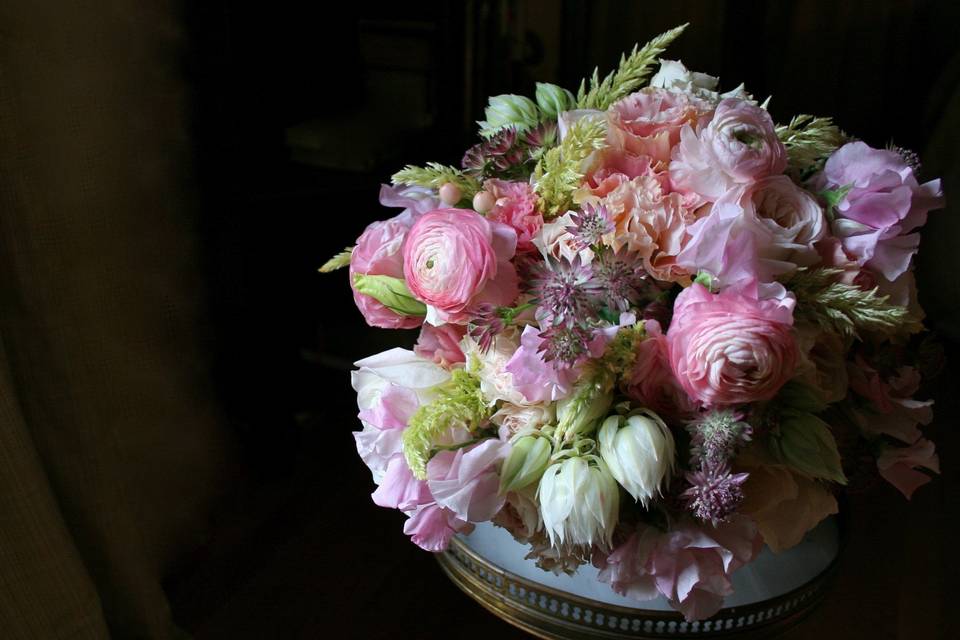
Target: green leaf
338,261
628,77
806,443
391,293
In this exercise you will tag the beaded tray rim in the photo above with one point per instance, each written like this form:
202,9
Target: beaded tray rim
552,614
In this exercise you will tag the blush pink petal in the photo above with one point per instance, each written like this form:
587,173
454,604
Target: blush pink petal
431,527
898,465
399,489
466,481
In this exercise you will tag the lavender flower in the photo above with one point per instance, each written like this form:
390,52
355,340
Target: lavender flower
565,344
714,493
716,436
566,291
589,226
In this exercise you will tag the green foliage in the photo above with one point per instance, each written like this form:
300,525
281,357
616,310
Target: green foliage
390,292
338,261
459,404
804,442
628,77
809,140
847,309
435,175
558,173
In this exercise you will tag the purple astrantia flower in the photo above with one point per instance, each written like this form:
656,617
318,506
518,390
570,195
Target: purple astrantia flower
542,135
589,226
565,345
619,279
486,324
499,153
716,436
566,291
714,494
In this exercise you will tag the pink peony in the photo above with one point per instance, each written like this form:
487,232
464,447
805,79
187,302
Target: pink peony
731,348
782,221
453,258
515,206
884,204
379,251
898,465
690,565
441,344
738,146
652,383
466,481
431,527
648,122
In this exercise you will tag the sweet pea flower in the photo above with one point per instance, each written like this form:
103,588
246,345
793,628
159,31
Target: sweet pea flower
453,258
441,344
731,348
515,205
466,481
690,564
892,411
883,205
898,465
431,527
738,146
648,122
534,378
378,251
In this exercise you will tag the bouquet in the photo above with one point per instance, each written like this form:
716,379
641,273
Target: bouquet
657,331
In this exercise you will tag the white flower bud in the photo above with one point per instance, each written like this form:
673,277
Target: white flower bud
640,452
579,502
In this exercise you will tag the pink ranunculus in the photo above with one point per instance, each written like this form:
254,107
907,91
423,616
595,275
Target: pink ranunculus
652,383
782,220
515,206
738,146
731,348
441,344
882,208
690,565
379,251
431,527
453,258
898,465
651,223
893,411
467,481
648,122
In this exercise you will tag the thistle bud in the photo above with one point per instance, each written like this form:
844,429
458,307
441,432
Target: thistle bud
579,502
526,463
553,100
640,452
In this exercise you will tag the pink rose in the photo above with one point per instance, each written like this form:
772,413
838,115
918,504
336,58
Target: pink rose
652,382
690,565
515,206
782,220
731,348
648,122
898,465
884,204
379,251
467,481
739,146
453,258
441,344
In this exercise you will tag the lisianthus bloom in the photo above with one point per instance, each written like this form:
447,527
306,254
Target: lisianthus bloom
883,204
453,258
515,205
579,501
731,348
779,222
648,122
690,564
898,465
651,382
441,344
379,251
466,480
390,387
640,453
738,146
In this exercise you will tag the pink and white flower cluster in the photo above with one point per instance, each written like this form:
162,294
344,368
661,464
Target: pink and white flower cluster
633,379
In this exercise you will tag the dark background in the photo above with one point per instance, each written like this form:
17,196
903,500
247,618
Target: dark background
300,114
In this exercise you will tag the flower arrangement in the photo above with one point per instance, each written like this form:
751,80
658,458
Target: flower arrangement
651,321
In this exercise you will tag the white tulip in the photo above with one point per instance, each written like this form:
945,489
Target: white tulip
640,452
579,502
